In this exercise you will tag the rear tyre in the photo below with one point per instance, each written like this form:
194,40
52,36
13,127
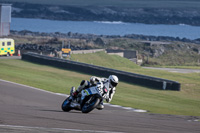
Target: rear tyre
66,105
87,107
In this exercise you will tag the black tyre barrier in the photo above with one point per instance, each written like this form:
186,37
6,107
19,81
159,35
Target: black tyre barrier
148,81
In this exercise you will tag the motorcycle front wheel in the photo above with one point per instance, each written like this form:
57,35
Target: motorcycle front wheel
66,105
87,107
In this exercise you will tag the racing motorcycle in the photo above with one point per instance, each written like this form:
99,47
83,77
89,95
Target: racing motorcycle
87,100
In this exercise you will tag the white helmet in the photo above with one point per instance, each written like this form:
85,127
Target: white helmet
113,81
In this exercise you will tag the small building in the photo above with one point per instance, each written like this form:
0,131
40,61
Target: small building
5,19
129,54
155,43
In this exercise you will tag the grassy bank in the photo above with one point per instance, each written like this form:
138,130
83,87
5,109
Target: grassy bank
184,102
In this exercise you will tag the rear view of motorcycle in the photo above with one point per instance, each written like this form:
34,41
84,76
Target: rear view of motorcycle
87,100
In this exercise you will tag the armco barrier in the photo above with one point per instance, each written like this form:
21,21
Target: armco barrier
148,81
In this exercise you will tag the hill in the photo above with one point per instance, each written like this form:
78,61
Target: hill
118,3
137,11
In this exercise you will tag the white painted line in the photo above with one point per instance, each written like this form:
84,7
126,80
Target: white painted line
174,71
60,94
117,106
60,129
140,110
127,108
26,86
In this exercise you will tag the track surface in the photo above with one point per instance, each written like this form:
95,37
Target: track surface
39,111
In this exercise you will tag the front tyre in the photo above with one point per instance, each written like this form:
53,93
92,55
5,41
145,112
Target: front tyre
66,105
87,107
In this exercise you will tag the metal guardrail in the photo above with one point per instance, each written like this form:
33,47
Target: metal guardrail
143,80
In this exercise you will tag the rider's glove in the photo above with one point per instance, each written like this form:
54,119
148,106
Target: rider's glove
75,93
106,98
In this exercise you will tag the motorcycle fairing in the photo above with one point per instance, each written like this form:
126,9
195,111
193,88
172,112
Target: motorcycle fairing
89,91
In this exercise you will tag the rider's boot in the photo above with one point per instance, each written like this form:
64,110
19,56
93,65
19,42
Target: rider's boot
72,91
100,106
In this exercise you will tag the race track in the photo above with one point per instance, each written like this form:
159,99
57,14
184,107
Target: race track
26,109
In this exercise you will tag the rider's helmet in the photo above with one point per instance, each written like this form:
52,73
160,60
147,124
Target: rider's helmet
113,81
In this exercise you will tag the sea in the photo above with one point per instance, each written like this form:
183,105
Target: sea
105,28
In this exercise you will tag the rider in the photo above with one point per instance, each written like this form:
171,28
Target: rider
112,80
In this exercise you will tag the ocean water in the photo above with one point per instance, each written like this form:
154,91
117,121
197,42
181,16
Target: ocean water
105,28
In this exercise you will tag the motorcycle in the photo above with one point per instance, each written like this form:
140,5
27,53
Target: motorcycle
87,100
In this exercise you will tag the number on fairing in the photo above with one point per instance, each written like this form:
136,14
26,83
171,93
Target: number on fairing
93,90
99,87
100,90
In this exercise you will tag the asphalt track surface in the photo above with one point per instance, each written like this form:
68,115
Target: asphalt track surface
24,109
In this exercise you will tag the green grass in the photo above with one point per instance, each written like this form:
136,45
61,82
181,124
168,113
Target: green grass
184,102
102,59
120,63
120,3
40,76
177,57
117,62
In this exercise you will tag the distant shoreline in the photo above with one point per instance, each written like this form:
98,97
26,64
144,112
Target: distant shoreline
108,13
94,37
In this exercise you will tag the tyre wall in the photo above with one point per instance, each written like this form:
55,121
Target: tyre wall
142,80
